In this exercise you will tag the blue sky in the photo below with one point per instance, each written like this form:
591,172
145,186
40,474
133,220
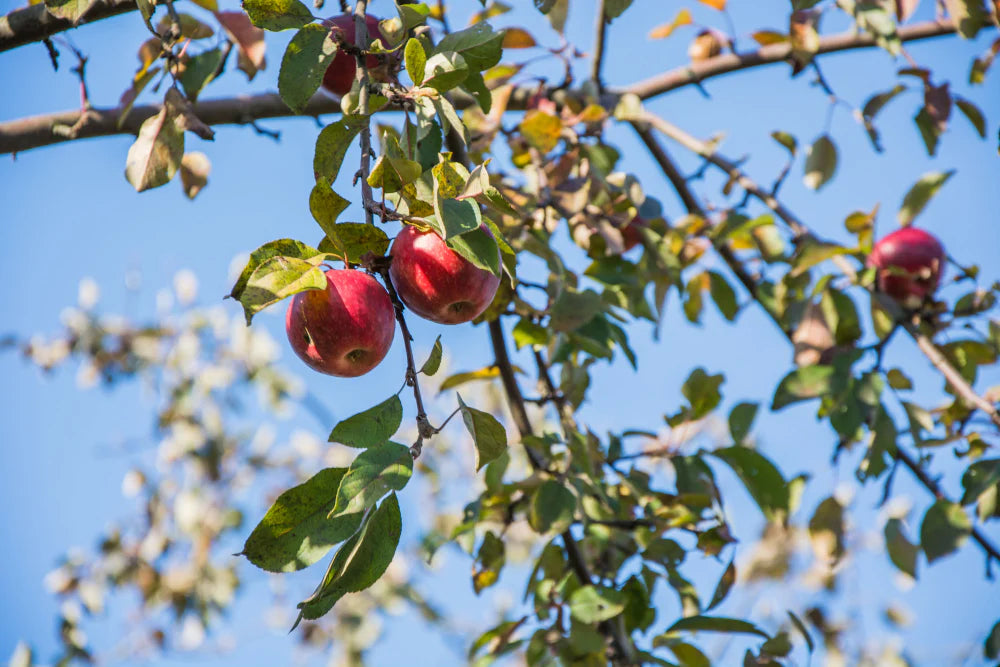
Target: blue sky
70,214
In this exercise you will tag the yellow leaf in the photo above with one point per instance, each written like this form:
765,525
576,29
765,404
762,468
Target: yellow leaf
662,32
715,4
768,37
518,38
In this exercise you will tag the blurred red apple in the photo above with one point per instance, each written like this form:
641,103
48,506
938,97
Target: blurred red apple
909,263
339,75
437,283
344,330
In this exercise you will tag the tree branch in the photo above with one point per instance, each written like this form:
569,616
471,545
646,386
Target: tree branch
35,23
799,229
20,135
696,73
926,345
601,31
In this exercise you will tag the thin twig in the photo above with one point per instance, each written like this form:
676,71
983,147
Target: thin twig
424,428
361,39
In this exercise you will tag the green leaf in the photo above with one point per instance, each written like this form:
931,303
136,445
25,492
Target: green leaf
801,627
802,384
821,162
921,193
444,71
573,309
723,295
355,239
372,427
812,253
991,647
973,113
332,144
786,140
200,70
326,206
416,60
701,389
433,362
902,552
716,624
70,10
978,478
295,532
306,60
487,433
479,46
156,155
968,16
477,246
593,604
741,419
761,478
945,527
376,471
360,561
452,381
449,117
277,14
276,279
392,173
552,508
284,247
527,332
826,530
726,582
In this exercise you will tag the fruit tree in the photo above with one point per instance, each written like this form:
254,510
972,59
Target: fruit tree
632,331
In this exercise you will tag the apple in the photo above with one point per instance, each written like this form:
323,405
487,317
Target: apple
909,263
339,75
437,283
344,330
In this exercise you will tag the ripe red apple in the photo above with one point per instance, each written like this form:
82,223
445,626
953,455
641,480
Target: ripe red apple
909,263
630,233
437,283
344,330
340,74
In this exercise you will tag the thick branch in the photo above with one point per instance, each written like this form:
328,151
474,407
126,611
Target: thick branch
926,345
23,134
768,55
35,23
601,32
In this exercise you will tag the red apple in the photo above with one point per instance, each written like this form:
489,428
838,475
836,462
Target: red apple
630,233
437,283
340,74
344,330
909,263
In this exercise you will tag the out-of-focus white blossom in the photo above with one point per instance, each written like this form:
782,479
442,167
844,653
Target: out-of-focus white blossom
88,293
132,483
185,287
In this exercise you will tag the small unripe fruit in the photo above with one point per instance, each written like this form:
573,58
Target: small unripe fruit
344,330
437,283
909,263
340,74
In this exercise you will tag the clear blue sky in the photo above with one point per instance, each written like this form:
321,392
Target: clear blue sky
69,214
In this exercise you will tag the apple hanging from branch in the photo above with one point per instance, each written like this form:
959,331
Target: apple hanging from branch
437,283
339,76
344,330
909,263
